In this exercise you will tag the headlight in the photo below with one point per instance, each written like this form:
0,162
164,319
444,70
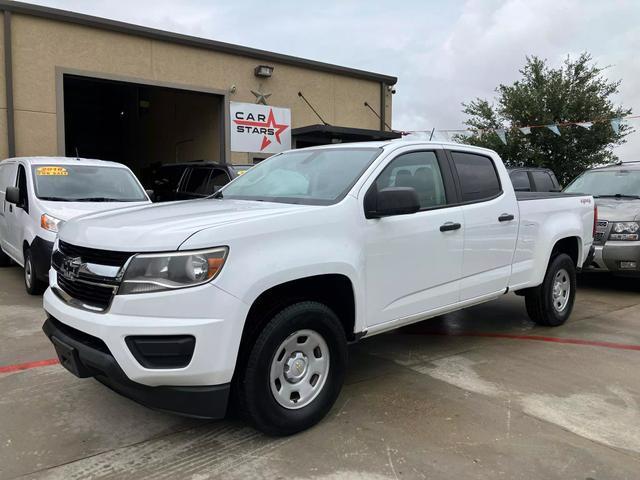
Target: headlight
49,223
624,231
157,272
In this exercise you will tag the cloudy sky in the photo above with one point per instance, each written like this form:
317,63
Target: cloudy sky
443,52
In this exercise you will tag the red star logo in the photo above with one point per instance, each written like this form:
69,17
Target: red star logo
270,123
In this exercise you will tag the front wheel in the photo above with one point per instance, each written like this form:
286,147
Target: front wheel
551,303
32,283
295,370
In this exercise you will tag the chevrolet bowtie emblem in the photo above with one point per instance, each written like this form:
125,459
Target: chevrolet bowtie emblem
71,267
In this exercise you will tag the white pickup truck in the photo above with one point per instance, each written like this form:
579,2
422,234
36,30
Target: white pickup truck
256,292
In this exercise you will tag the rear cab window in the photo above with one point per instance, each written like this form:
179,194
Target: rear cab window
477,175
543,181
520,181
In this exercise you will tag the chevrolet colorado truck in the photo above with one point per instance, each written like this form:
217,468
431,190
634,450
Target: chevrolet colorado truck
253,294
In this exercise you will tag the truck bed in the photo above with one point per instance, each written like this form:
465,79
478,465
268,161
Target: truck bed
524,196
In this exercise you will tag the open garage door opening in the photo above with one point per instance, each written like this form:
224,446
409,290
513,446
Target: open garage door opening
141,126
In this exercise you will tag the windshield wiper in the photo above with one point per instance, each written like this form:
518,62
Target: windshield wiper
617,195
55,199
101,199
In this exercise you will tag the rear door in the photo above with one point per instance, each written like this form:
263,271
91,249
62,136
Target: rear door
490,223
413,264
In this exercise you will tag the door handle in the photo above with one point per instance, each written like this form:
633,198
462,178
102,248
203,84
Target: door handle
447,227
506,217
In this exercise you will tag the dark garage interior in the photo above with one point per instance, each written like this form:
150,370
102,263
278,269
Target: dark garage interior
140,125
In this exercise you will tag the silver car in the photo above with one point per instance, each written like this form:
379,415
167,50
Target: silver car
616,189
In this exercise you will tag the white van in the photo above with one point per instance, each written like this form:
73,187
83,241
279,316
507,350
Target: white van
37,193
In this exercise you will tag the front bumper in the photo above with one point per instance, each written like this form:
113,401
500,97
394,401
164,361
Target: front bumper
608,258
212,316
87,356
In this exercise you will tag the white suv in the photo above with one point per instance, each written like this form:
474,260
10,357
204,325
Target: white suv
37,193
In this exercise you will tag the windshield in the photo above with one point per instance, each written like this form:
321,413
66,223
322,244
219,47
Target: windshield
310,177
607,183
86,183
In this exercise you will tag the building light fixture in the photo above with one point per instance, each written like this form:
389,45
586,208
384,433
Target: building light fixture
264,71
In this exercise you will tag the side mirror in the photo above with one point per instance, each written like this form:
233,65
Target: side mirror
391,201
12,195
151,194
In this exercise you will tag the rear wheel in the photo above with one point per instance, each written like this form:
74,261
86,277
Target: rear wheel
32,283
295,369
551,303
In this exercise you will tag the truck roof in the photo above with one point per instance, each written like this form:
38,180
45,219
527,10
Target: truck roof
402,143
65,161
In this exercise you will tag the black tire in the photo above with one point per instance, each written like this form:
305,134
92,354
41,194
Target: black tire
32,283
540,300
257,402
5,260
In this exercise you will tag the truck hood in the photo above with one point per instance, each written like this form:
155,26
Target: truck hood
618,209
68,210
163,226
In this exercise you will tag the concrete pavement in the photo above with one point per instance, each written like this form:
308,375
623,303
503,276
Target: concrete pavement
475,394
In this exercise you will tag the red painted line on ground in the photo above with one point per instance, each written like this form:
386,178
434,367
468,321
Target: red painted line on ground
570,341
29,365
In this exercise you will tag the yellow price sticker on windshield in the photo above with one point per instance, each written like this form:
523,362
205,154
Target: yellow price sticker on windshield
241,172
53,171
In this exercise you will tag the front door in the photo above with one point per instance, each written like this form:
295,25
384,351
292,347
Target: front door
17,217
8,174
412,264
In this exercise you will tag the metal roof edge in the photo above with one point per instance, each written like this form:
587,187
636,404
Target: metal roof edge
157,34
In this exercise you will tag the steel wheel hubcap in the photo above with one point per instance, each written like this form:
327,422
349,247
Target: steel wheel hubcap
299,369
27,272
561,290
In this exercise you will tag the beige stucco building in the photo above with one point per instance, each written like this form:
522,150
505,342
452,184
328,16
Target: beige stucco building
106,89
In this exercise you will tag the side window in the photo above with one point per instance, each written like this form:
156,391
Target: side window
478,176
543,181
218,179
520,180
419,170
22,185
198,180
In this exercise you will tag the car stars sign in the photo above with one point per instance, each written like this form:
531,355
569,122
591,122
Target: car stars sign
259,128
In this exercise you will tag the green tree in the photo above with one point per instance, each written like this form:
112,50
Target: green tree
577,91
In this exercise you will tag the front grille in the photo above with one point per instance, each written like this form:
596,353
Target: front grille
92,255
599,237
89,293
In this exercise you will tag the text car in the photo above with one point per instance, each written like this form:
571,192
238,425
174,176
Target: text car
38,193
616,189
256,292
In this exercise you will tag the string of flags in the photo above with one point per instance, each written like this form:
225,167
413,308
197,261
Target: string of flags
615,123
